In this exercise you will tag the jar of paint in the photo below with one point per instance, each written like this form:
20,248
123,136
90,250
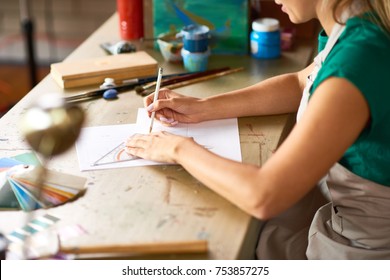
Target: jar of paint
131,21
195,61
195,38
265,38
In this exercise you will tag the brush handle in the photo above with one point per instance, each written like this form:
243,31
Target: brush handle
173,80
205,78
123,87
180,247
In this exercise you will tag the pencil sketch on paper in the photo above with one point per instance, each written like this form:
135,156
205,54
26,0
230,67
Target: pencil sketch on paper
118,154
98,148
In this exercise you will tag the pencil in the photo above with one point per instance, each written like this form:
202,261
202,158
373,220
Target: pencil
160,71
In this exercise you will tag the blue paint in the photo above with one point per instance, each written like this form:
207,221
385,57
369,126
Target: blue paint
183,17
195,38
29,229
195,61
265,38
110,94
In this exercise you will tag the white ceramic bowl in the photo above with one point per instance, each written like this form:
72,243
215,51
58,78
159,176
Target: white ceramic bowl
170,47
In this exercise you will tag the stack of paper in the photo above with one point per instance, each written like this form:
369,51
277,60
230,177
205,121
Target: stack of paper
91,71
19,184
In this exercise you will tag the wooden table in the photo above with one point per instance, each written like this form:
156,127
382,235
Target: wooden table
157,203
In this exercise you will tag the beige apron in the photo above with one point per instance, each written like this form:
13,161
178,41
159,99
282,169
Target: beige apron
354,225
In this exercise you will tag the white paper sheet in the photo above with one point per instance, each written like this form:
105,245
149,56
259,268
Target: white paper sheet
95,143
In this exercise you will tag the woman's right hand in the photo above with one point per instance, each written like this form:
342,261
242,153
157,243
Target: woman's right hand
172,107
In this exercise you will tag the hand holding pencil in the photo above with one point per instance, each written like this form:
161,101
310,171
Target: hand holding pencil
184,109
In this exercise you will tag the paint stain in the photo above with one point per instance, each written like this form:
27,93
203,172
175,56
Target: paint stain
206,212
166,219
168,189
252,131
203,235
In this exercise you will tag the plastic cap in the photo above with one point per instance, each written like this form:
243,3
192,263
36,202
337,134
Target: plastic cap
194,32
265,25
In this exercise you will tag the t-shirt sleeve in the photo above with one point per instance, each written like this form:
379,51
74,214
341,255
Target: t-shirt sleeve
367,66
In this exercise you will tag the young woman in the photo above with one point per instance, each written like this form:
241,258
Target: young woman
342,136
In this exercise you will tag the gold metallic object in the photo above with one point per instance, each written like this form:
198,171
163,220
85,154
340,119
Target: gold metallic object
52,126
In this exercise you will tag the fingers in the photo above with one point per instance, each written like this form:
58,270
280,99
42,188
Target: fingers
162,94
135,145
162,107
148,100
154,146
164,119
168,121
150,105
143,141
133,151
137,140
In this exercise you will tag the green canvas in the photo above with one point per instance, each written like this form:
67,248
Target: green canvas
227,21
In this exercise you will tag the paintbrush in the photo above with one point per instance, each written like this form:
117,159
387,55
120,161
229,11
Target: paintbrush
198,79
205,78
120,88
99,92
145,89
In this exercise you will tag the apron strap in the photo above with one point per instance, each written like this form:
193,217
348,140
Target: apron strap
337,30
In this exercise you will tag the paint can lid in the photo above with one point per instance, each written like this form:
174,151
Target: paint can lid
265,25
194,32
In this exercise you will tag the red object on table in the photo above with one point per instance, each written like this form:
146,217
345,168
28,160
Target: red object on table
131,23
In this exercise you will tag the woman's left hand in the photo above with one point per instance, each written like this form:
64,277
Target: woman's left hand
160,146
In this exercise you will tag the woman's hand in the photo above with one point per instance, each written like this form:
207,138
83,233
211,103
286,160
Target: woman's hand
172,108
160,146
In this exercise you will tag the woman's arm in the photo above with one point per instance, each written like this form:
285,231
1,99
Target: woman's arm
336,115
277,95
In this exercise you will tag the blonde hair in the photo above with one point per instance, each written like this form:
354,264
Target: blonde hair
380,7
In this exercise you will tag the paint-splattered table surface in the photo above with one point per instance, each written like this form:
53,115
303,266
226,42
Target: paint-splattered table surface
158,203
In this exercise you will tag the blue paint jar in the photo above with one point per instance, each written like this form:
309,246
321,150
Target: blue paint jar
195,38
265,38
195,61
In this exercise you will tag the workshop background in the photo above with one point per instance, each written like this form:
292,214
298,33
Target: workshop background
59,27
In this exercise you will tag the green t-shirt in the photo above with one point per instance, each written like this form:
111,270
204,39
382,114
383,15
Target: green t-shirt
362,56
